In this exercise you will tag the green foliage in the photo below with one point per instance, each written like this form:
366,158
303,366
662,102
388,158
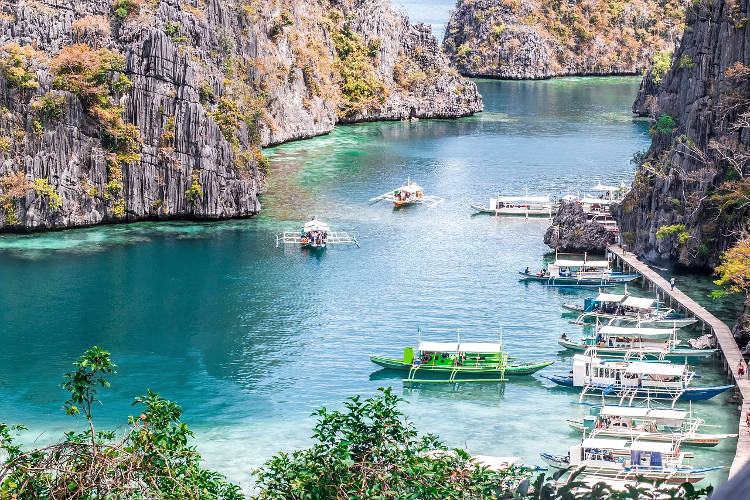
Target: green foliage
5,145
677,229
360,87
171,29
16,65
125,8
205,93
664,125
686,62
42,187
264,165
195,191
628,237
638,158
734,270
49,106
152,459
660,65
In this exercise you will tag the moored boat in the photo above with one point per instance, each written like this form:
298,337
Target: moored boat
459,362
624,459
653,424
587,272
629,381
637,342
523,206
626,308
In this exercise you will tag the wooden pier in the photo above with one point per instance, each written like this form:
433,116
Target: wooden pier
729,350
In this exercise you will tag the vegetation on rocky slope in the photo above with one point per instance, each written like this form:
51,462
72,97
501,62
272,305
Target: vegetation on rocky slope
530,39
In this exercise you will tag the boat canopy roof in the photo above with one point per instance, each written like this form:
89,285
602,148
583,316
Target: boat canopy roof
410,188
604,443
657,446
438,346
640,411
634,331
580,263
639,302
602,187
609,297
530,199
596,201
471,347
316,225
665,369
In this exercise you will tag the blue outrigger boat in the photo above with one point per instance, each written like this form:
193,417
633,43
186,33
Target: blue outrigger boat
634,380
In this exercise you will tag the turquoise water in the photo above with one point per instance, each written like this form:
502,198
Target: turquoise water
250,338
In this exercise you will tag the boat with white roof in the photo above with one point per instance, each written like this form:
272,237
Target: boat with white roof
583,272
634,380
625,459
315,234
523,206
625,308
409,194
636,342
653,424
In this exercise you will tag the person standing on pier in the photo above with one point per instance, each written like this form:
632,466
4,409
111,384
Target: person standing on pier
671,283
740,369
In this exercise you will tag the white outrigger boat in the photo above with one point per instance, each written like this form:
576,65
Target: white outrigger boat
625,308
315,234
586,273
629,381
523,206
653,424
636,343
409,194
624,459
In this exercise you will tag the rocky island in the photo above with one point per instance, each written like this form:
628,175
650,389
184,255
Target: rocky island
526,39
124,110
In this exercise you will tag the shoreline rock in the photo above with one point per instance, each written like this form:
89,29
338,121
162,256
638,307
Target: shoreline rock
572,232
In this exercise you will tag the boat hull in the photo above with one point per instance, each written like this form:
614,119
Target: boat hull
689,394
691,356
473,372
564,280
701,440
510,212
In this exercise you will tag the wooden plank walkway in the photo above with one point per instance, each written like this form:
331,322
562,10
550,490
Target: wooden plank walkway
727,344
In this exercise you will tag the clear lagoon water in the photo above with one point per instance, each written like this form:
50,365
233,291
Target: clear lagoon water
251,338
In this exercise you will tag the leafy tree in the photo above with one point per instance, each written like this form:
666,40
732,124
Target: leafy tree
152,459
734,270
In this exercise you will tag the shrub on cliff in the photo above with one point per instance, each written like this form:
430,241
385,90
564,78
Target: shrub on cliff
150,459
734,270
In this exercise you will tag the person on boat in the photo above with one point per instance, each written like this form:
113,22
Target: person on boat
564,336
526,271
543,272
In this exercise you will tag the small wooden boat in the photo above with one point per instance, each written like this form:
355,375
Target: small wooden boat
409,194
315,234
626,308
653,424
458,362
634,380
625,459
523,206
578,272
637,342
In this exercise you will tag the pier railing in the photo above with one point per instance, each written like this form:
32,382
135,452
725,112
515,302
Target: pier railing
730,351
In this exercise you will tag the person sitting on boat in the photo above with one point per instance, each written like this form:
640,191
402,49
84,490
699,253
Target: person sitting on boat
543,272
526,271
564,336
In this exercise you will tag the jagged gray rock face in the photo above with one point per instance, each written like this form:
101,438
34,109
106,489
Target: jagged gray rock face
645,102
530,39
277,61
572,232
741,330
694,172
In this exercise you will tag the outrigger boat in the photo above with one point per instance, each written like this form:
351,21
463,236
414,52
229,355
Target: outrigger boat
623,459
409,194
626,308
524,206
459,361
630,380
586,272
315,234
653,424
639,343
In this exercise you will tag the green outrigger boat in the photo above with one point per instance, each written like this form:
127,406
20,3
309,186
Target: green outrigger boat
451,362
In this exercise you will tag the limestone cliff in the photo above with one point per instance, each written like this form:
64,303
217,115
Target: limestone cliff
689,198
572,232
115,110
530,39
